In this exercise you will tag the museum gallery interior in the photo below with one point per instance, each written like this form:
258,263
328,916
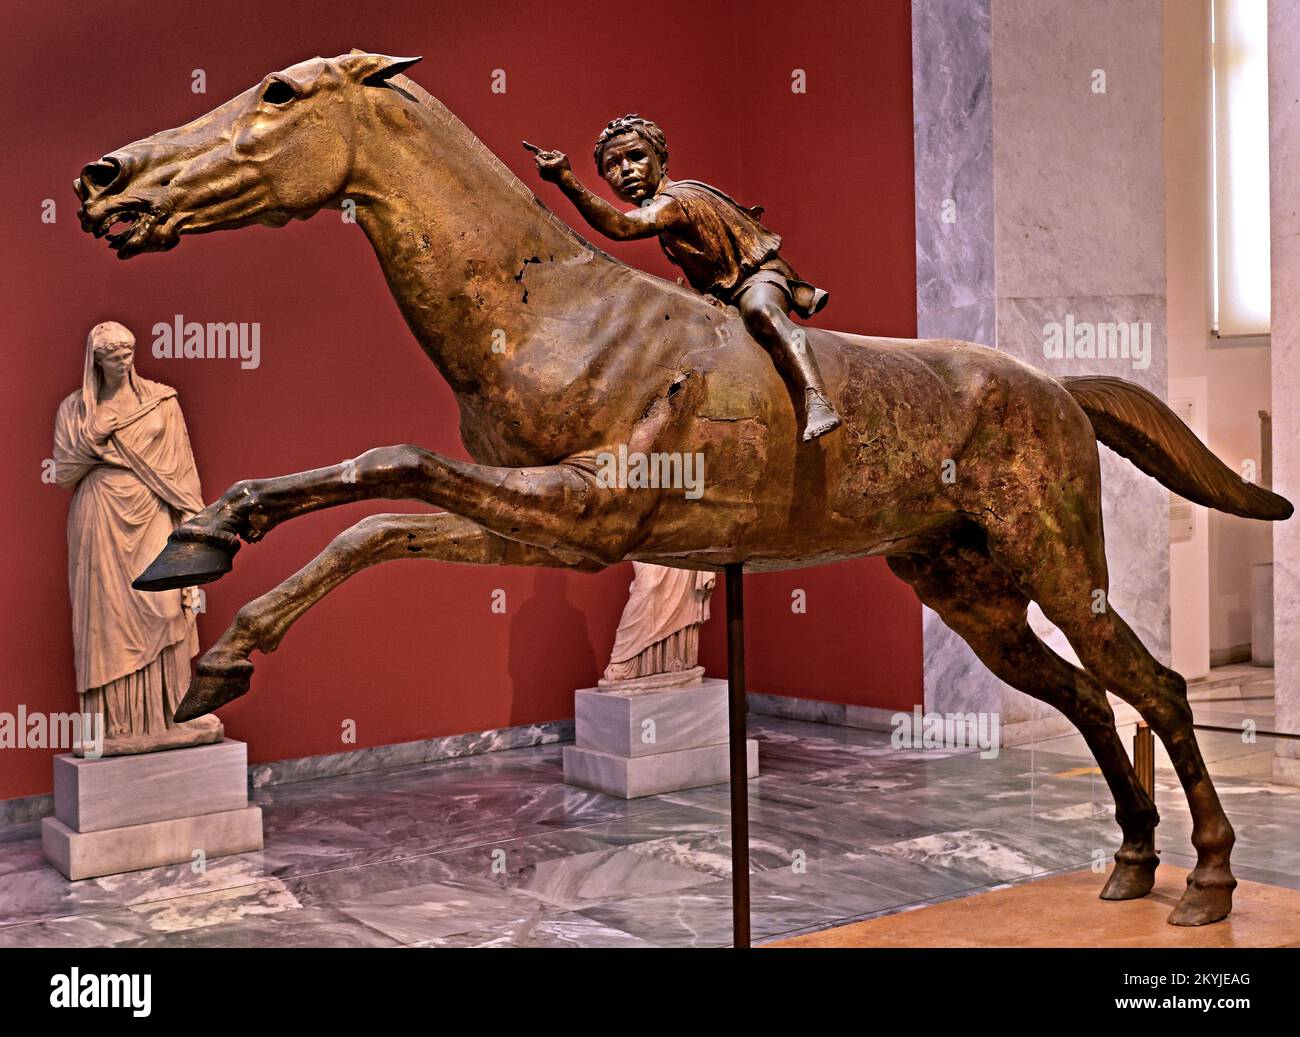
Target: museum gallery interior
852,470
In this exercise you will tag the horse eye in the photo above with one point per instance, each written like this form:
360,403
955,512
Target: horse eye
278,92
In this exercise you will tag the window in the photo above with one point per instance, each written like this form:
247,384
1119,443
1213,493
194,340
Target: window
1239,176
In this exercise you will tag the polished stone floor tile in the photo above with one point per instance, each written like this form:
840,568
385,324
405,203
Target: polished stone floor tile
31,890
114,927
416,914
604,875
781,902
916,881
988,856
495,850
218,907
304,927
181,880
546,928
329,888
504,861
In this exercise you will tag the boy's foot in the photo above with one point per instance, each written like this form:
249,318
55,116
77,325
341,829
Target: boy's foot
820,415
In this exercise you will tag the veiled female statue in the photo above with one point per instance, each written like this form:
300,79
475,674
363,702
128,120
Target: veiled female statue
658,641
121,445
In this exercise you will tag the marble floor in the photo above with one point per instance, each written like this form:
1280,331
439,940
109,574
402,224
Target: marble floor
494,850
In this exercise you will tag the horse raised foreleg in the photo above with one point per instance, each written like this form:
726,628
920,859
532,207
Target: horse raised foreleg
543,506
224,671
559,507
201,549
565,508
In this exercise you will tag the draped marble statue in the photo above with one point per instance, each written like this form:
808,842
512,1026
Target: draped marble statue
657,645
121,446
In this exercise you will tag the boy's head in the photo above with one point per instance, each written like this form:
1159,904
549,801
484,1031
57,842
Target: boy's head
632,155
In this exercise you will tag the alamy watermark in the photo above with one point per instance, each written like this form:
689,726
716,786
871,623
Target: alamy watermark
75,989
921,730
82,732
215,340
658,470
1086,340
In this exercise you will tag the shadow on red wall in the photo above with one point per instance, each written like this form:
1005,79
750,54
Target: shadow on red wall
415,651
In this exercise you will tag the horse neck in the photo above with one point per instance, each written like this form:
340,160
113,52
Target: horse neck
452,228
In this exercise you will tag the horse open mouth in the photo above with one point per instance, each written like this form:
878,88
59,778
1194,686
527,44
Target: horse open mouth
126,229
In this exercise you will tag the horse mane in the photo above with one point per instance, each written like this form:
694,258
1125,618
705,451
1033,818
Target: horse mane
466,137
463,135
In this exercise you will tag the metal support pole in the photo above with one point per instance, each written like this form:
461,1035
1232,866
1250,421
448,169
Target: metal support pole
739,761
1144,757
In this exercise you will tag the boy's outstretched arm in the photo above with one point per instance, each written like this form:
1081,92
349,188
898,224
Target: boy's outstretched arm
656,216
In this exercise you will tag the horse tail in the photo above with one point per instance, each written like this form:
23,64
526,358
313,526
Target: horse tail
1138,425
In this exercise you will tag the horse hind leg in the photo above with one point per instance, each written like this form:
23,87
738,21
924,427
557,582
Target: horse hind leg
225,671
1064,570
983,605
1110,649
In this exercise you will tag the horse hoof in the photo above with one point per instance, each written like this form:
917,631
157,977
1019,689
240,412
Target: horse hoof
1130,880
1203,904
185,563
212,687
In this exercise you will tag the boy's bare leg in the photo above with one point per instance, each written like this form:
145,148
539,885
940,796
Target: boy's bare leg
764,309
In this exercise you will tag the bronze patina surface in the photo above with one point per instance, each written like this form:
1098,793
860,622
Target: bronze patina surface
975,474
721,247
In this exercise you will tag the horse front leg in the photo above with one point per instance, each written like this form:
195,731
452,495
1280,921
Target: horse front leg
561,507
202,549
557,507
225,670
565,509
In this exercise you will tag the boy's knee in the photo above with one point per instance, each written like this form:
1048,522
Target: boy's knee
762,317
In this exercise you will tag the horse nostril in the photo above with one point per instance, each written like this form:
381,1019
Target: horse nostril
102,174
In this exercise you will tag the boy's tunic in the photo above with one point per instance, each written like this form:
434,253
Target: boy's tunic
729,250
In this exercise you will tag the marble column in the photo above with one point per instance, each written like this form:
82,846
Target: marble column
1284,201
1043,119
952,123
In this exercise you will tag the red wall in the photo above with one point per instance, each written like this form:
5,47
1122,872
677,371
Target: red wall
413,651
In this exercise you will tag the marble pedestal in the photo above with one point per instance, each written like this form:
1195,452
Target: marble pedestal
648,743
123,813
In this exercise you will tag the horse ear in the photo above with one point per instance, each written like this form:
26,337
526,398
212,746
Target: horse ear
375,69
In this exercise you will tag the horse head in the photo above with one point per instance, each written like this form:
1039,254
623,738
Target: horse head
281,150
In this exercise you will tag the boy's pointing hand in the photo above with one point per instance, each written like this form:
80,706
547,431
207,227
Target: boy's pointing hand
553,166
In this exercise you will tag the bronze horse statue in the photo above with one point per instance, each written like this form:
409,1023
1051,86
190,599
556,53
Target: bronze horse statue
974,474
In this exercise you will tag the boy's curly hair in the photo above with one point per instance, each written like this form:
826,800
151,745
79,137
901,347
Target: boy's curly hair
632,123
